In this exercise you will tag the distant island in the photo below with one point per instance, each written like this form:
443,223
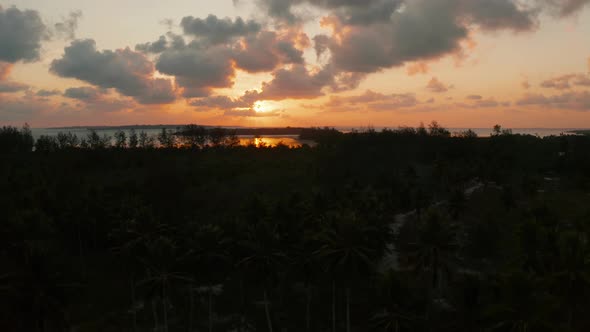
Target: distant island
585,132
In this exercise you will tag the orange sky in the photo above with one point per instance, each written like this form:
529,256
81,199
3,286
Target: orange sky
464,63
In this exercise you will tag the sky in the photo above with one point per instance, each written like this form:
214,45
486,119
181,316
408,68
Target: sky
264,63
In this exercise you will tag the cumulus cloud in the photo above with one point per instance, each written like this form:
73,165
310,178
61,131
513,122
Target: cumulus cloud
577,101
198,68
222,47
564,82
158,46
216,30
436,86
296,83
130,73
411,31
21,34
267,50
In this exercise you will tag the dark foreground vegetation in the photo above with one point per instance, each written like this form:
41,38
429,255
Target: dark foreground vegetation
400,230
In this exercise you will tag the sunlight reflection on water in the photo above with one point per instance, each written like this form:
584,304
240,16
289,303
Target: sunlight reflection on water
290,141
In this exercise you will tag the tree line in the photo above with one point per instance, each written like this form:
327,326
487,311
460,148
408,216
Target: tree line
412,229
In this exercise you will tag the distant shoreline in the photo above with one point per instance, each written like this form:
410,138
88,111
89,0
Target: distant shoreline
266,131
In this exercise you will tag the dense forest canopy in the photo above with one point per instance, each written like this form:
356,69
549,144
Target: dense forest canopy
412,229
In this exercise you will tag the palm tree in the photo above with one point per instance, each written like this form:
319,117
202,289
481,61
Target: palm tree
431,253
571,280
392,316
262,259
209,249
162,267
347,252
433,250
522,305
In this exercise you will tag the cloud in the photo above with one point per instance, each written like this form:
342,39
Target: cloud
130,73
564,7
252,113
10,87
198,68
204,64
371,101
221,102
525,84
97,100
577,101
474,97
411,31
485,103
436,86
418,68
158,46
48,93
217,31
565,82
84,93
7,86
267,50
21,34
67,28
296,83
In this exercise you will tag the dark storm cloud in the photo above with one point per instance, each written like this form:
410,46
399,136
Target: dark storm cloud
21,34
130,73
216,30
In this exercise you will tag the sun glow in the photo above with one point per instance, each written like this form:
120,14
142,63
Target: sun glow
263,106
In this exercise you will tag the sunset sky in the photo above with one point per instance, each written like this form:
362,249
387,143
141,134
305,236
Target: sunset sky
464,63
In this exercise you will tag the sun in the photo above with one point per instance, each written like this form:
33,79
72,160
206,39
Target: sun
260,107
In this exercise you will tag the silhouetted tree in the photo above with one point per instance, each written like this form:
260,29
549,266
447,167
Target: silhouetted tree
120,139
133,139
46,144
